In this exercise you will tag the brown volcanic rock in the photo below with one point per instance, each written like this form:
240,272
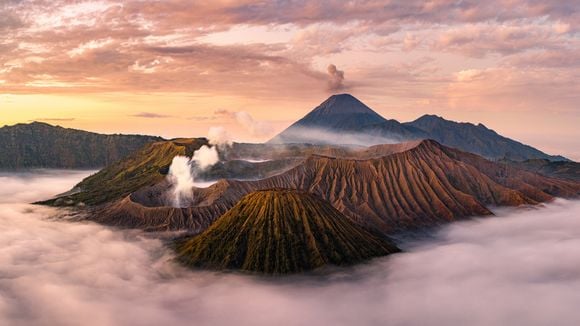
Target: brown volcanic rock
419,186
281,231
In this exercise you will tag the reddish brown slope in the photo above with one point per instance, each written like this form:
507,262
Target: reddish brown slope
425,185
279,232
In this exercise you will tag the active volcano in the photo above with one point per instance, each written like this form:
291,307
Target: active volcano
386,188
340,112
279,232
343,119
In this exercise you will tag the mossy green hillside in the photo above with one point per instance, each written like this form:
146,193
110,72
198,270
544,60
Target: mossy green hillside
147,166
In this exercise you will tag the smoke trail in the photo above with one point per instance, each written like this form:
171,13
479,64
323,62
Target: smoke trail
335,78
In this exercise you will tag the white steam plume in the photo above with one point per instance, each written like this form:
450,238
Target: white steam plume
181,177
219,136
183,171
205,157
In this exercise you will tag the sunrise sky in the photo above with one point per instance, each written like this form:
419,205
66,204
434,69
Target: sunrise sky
175,68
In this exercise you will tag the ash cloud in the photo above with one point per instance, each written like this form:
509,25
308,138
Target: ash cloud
335,79
520,268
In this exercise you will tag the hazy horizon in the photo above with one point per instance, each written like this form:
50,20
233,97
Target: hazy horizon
176,68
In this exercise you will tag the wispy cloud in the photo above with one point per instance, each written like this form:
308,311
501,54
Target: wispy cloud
256,128
53,119
150,115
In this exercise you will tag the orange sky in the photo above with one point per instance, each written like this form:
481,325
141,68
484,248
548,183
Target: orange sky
175,68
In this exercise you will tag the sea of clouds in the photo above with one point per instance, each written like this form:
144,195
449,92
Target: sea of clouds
519,268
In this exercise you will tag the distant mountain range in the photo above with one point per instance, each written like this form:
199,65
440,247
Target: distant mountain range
477,139
343,119
340,120
40,145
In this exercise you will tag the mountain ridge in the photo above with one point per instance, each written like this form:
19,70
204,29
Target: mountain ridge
325,124
477,139
418,185
41,145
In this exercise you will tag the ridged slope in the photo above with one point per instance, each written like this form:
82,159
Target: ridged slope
281,231
422,186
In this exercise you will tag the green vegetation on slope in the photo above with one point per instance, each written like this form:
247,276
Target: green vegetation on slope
143,168
279,232
40,145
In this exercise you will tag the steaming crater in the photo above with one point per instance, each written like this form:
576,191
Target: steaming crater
520,268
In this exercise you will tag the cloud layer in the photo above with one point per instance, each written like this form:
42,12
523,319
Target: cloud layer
520,268
110,45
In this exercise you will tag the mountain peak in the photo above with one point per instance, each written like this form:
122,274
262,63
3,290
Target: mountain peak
342,95
430,117
283,231
340,114
343,119
344,104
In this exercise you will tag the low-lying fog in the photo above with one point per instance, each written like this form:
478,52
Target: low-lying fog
522,268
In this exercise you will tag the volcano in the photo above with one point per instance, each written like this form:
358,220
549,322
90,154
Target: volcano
388,188
343,119
280,232
339,112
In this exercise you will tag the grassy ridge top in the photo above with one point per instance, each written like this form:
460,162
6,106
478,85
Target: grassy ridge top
145,167
279,232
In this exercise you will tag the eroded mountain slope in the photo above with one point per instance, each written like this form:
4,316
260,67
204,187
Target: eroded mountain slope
424,185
